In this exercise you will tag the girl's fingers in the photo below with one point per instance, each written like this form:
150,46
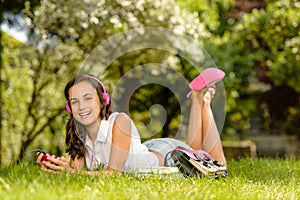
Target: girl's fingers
57,164
63,159
50,170
59,161
66,165
41,157
53,165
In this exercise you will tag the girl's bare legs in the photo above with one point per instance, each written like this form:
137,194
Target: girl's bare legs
194,132
202,129
211,137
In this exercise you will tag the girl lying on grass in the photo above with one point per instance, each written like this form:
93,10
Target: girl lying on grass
96,136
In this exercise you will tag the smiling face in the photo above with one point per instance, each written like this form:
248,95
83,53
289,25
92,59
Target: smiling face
85,103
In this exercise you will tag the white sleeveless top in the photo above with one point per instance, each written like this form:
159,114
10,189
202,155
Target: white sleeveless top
98,155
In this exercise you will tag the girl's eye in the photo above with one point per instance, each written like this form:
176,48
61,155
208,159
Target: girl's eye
73,102
88,98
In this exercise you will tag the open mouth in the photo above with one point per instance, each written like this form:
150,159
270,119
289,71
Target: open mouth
84,114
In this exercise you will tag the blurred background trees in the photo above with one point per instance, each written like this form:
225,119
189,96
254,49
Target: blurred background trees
255,42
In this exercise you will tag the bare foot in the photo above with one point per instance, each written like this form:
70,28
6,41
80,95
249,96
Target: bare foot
209,95
199,95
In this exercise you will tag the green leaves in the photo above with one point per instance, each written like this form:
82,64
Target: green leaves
258,50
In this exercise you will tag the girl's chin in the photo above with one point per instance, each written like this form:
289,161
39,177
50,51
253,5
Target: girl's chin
87,123
87,120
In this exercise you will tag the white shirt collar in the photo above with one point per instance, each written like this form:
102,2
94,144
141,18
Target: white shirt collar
103,131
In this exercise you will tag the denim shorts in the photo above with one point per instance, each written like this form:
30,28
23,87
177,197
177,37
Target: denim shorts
164,146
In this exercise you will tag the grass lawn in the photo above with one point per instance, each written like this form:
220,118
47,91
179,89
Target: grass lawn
247,179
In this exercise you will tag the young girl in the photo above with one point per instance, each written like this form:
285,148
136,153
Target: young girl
97,138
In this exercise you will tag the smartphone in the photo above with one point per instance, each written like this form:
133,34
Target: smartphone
45,156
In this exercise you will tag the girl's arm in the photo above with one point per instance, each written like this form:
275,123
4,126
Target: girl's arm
121,136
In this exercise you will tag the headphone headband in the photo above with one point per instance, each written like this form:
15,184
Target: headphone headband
100,83
105,94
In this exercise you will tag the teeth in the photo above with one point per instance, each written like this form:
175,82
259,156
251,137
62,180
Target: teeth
84,114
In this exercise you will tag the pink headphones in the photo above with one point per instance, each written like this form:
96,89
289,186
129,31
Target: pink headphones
105,94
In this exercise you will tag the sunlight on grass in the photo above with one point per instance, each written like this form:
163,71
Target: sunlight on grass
247,179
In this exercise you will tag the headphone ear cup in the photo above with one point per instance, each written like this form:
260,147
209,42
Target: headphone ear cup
68,108
106,98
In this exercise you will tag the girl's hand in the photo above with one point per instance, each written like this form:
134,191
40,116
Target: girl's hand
41,160
54,165
64,165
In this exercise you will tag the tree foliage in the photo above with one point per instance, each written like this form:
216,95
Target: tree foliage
257,45
61,34
269,56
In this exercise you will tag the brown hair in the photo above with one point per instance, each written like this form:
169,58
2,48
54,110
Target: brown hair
76,132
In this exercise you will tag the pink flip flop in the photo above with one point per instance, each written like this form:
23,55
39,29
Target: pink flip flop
207,78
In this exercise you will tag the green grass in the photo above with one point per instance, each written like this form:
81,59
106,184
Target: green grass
247,179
